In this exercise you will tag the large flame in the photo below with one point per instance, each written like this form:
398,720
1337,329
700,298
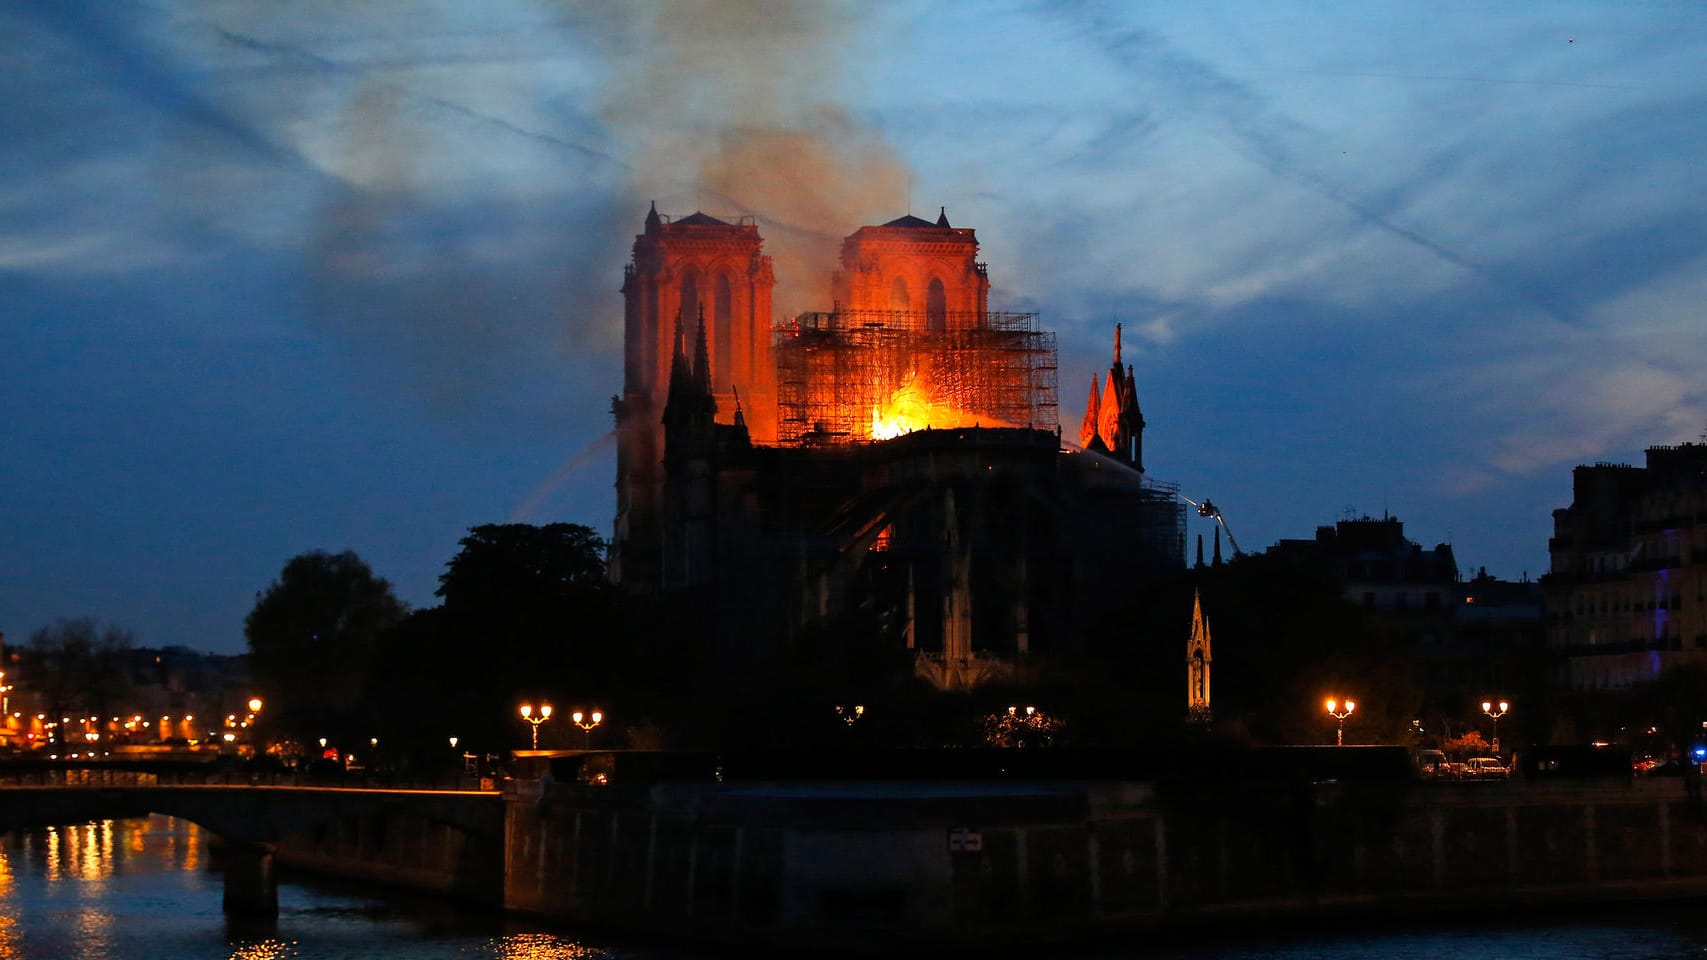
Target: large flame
913,407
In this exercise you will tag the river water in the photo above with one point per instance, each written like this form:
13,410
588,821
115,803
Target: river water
145,890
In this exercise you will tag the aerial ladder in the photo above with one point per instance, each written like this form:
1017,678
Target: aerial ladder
1208,510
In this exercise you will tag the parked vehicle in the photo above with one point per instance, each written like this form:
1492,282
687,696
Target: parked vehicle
1432,765
1485,768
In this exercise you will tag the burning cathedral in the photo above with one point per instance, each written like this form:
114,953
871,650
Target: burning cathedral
885,476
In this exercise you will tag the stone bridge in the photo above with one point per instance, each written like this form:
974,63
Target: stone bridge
252,820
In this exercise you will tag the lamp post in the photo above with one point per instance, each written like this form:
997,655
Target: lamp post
586,721
543,715
1496,710
1339,710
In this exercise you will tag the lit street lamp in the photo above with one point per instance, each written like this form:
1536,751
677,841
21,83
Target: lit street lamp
1339,711
1496,711
543,715
587,722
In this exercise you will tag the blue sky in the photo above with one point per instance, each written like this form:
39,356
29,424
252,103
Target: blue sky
284,277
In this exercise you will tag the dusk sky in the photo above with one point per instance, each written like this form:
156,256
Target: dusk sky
279,277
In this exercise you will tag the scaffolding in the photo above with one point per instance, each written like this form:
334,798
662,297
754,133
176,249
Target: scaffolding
1161,520
835,370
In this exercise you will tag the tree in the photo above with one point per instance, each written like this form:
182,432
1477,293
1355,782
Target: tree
535,599
78,666
538,566
527,614
312,636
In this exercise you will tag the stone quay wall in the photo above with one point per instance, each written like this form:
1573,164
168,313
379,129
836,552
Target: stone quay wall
871,865
400,848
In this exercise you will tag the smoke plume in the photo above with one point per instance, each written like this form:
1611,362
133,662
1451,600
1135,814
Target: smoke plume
734,108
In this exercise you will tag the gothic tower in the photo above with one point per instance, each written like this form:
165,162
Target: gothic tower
1113,423
682,270
915,266
1197,664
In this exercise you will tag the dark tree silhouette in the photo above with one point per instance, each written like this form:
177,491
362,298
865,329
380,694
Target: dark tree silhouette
312,637
77,666
526,616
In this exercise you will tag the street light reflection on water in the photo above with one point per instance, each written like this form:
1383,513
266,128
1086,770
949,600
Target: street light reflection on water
147,889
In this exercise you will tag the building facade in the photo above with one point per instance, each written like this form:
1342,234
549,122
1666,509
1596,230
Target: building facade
1626,592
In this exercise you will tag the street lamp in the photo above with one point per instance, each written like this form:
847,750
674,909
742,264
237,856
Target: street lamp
1495,711
586,722
530,717
1339,711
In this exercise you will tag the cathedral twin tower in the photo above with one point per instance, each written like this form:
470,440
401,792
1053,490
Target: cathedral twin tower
711,279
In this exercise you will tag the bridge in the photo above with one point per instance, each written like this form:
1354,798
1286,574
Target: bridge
252,818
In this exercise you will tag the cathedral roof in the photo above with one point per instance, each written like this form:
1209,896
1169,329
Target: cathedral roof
910,221
699,219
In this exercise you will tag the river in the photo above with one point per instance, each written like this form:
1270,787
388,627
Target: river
145,890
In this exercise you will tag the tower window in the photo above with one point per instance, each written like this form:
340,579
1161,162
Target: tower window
690,307
723,336
936,307
898,299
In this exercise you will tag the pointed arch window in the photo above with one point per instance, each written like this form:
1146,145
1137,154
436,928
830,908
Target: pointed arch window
690,304
723,335
936,307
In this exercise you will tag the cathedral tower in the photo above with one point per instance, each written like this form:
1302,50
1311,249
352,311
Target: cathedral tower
682,270
913,265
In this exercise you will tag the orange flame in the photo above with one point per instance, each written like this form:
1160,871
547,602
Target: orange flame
911,408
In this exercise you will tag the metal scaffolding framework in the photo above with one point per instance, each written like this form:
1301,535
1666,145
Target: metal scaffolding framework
834,370
1162,519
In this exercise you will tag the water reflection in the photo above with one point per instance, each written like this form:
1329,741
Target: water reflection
263,950
542,946
140,890
91,892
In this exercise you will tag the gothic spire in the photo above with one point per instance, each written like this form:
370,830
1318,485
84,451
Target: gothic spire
1092,425
652,220
1132,419
1108,418
701,358
680,373
942,219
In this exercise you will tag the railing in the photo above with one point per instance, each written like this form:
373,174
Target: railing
104,777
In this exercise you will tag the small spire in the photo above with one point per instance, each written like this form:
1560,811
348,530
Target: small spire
1117,345
652,219
701,357
1217,560
942,218
740,418
679,372
1093,419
